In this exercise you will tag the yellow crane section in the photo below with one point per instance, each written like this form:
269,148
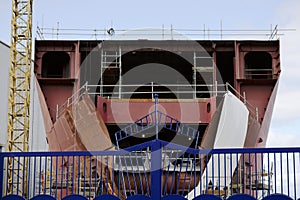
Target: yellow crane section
19,93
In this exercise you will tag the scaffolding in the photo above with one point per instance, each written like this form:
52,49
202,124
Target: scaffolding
111,60
203,69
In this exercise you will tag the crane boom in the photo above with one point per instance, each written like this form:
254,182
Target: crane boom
19,93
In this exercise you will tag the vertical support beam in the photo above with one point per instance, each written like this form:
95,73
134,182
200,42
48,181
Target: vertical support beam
156,170
76,69
156,115
244,98
256,113
19,93
56,116
195,76
101,72
214,71
216,88
152,90
120,73
237,68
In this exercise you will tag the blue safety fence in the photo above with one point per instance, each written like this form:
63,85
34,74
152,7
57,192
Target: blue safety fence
153,170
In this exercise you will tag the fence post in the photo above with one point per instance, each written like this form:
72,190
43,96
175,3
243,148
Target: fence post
1,174
156,170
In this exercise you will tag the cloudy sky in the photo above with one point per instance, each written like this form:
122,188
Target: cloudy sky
190,14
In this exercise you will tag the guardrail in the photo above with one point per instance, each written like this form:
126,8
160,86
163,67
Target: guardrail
176,89
127,90
252,109
258,73
72,100
156,169
160,33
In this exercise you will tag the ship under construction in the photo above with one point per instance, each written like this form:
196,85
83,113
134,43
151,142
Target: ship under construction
115,94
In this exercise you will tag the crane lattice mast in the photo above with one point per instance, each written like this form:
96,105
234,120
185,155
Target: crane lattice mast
19,94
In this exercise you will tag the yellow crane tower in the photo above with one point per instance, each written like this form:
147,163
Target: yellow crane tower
19,93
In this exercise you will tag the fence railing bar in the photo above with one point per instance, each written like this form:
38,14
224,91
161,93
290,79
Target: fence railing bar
281,173
174,170
73,174
275,173
256,174
29,175
148,143
269,174
78,173
186,169
231,188
288,174
107,174
294,172
262,174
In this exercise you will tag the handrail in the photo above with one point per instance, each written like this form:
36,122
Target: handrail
72,99
161,33
258,69
258,72
251,108
213,89
120,90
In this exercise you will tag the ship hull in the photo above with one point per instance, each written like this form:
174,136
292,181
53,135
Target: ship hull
249,69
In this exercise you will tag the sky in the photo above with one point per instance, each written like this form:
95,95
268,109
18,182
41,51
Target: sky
190,14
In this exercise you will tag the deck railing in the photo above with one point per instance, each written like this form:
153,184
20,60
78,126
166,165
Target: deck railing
176,89
156,169
159,33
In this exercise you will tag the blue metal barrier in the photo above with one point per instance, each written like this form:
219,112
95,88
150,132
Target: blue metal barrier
156,169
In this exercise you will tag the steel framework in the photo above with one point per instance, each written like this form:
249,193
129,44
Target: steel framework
19,93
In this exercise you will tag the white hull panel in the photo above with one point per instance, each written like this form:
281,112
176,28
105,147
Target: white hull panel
231,133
